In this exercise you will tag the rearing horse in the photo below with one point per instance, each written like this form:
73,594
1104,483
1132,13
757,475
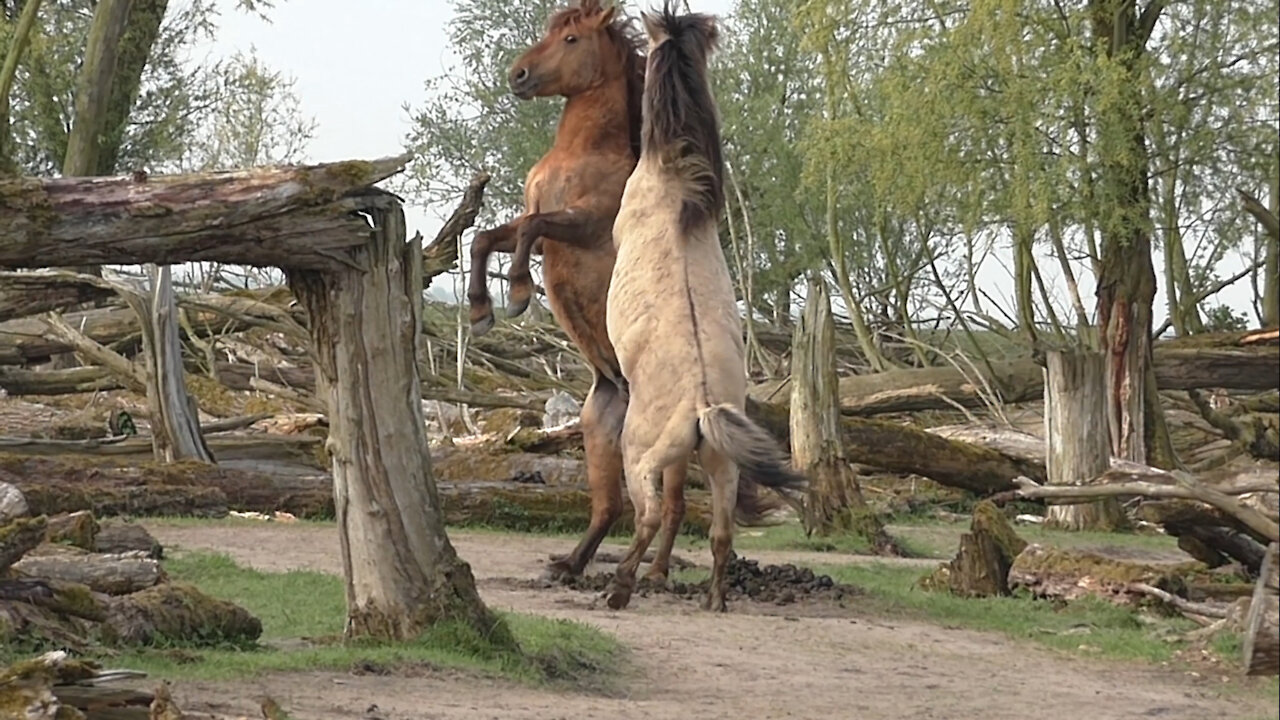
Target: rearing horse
590,55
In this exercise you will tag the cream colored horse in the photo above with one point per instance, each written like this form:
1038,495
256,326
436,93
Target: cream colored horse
672,316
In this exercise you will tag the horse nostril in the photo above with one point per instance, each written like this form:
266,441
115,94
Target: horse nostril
520,75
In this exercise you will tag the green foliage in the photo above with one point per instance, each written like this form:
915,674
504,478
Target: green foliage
472,121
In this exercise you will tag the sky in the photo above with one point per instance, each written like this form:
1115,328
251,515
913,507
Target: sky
357,64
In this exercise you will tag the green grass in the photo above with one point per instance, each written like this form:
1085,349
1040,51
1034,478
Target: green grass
1087,625
302,614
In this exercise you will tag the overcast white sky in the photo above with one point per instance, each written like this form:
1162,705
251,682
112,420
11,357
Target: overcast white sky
358,63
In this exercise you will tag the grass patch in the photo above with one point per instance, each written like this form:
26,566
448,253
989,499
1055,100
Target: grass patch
302,615
1088,626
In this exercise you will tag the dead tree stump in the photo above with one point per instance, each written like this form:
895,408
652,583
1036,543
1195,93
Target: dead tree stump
981,566
402,572
1262,624
1078,444
835,498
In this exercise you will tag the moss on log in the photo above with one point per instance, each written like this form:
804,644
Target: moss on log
180,613
18,538
1064,574
78,529
981,565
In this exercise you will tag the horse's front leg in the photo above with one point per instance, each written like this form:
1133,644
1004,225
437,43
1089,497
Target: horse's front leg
487,242
578,227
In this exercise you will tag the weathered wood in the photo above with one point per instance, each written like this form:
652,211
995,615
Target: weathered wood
441,254
24,293
1236,364
981,566
18,538
27,340
299,449
118,536
1075,430
180,611
402,572
114,574
286,216
175,423
77,529
12,504
1261,648
834,500
16,381
1065,574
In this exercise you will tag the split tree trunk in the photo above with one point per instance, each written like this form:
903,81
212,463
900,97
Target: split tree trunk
1078,444
835,499
401,571
1262,624
175,422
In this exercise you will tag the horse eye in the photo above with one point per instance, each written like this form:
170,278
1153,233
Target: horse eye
571,39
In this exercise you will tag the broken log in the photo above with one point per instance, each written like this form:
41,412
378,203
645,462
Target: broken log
1262,623
111,574
1235,361
18,538
981,566
27,340
1064,574
116,536
24,293
77,529
293,449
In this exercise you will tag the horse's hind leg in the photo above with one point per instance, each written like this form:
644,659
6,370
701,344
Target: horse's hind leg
602,415
722,475
673,481
642,484
499,239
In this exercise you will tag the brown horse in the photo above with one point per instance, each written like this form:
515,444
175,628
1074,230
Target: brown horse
672,315
590,55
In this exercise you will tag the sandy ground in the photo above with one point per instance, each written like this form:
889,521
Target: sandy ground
743,665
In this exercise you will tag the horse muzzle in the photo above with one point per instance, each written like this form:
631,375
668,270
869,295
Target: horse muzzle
523,84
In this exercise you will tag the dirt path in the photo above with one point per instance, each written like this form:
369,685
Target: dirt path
692,664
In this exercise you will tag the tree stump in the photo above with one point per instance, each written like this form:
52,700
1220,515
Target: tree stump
1262,624
981,566
402,573
1078,444
835,500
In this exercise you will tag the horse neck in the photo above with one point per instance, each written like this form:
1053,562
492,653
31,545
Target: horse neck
596,119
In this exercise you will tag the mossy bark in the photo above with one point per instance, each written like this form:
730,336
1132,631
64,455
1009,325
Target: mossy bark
20,537
982,563
402,573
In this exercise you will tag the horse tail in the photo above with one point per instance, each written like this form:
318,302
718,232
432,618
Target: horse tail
750,447
680,124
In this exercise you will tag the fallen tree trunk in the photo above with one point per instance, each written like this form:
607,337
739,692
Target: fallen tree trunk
1262,624
31,293
26,340
1064,574
114,574
1236,361
294,449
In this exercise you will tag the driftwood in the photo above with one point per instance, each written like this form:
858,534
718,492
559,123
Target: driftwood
1262,623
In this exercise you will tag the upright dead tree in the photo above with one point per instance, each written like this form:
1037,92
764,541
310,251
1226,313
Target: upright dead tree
1075,431
835,499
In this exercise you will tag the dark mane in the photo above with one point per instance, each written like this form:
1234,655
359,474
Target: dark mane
622,32
680,116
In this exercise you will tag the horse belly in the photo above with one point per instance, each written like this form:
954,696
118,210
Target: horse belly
577,285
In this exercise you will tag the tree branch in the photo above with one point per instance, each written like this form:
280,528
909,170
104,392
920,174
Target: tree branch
1260,213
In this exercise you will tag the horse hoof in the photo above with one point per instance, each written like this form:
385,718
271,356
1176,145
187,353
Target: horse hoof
516,308
618,598
482,326
557,573
716,606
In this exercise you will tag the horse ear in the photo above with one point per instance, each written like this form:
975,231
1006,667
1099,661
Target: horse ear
606,16
589,5
654,28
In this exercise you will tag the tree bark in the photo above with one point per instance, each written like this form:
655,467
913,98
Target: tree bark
30,293
402,573
1075,430
1262,624
17,45
835,500
175,423
110,574
298,217
134,49
1127,282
